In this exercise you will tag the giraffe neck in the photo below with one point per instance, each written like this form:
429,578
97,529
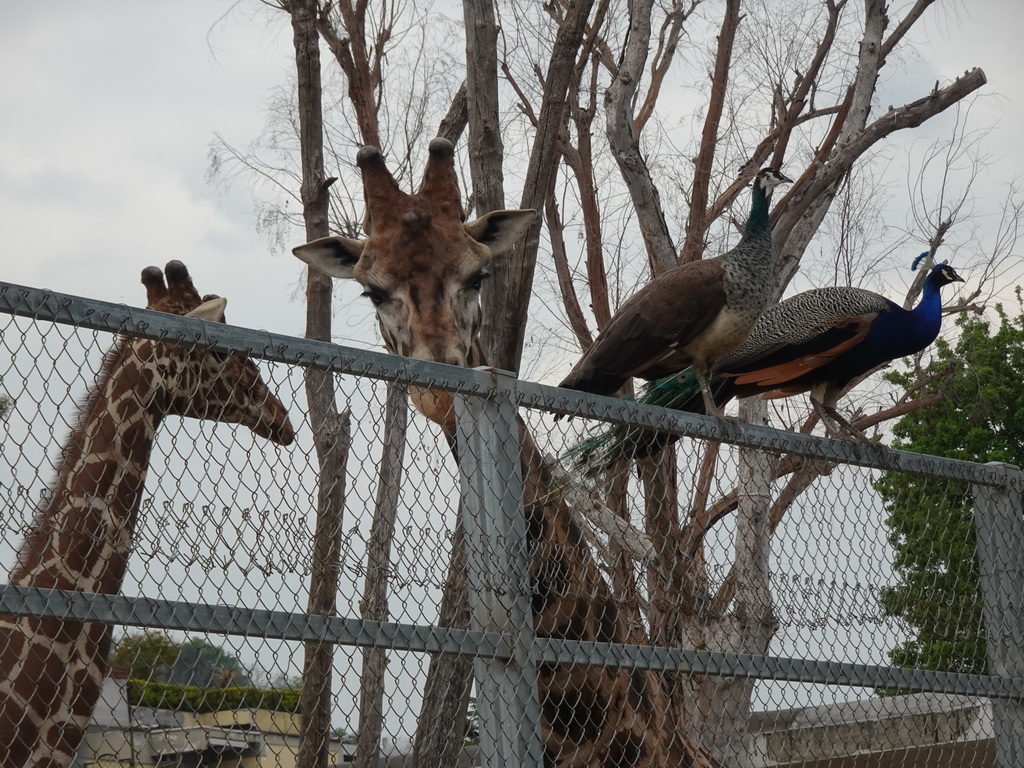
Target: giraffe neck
80,541
590,714
82,537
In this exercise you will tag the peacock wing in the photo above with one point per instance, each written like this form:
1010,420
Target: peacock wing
794,360
801,334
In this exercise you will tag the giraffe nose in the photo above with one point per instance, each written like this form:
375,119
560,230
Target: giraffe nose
282,434
278,432
448,354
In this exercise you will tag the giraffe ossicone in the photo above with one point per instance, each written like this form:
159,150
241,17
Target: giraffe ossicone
53,669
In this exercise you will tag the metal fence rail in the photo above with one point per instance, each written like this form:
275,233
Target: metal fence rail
118,318
488,483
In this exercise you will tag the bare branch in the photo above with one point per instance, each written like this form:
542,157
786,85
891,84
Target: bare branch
904,26
574,312
668,41
803,209
695,532
624,140
581,161
454,122
791,117
350,51
697,222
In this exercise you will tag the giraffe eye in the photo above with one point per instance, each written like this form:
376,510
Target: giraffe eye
477,280
375,295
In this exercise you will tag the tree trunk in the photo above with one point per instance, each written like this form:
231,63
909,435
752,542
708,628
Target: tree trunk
504,325
332,441
331,433
374,605
486,152
446,693
505,305
719,707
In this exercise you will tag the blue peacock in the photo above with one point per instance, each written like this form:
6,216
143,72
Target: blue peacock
819,341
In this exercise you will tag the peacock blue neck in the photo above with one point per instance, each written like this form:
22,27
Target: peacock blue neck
930,306
758,221
903,333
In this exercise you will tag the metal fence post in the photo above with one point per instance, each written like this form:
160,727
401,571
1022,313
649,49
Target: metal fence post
999,525
498,574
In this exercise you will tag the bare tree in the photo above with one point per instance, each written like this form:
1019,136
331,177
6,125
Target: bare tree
573,95
331,427
816,100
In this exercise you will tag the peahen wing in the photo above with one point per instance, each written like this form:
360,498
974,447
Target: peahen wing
647,335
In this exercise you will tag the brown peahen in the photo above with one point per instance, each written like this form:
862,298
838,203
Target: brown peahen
688,315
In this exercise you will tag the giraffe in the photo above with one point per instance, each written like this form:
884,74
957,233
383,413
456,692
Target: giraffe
82,535
421,267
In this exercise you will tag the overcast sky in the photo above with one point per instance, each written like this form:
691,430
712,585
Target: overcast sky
109,109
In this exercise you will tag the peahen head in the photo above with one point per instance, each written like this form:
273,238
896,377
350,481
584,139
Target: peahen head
768,179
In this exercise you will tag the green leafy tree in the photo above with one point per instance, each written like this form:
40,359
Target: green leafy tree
980,418
203,664
146,655
195,662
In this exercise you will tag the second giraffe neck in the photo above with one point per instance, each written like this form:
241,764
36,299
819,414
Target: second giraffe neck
82,536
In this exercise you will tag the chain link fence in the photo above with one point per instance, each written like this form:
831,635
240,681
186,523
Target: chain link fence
750,566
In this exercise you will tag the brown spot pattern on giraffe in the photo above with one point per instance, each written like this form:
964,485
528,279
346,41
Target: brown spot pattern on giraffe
81,537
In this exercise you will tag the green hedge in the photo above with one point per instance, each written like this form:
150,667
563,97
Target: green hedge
187,698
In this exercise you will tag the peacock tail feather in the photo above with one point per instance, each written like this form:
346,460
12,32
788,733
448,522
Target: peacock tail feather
680,392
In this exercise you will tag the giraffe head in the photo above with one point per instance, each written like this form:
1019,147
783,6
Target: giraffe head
421,265
199,383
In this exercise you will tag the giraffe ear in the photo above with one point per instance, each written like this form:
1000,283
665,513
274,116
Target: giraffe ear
335,256
499,230
212,311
